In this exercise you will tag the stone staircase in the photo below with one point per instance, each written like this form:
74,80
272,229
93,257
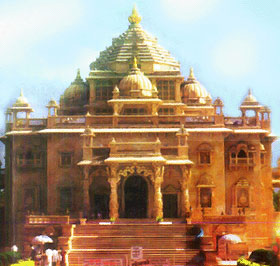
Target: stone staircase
174,243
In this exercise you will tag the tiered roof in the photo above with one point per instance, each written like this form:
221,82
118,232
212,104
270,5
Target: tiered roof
135,42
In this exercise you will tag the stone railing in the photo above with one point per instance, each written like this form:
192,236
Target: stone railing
246,122
69,121
47,219
233,121
81,121
29,123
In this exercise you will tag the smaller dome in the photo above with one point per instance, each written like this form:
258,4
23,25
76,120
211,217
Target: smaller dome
218,102
74,97
136,84
194,92
77,87
52,103
266,109
250,99
21,101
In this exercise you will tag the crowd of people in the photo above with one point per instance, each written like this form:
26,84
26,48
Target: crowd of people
47,255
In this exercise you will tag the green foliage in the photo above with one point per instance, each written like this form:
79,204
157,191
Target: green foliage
24,263
7,258
244,262
112,219
159,219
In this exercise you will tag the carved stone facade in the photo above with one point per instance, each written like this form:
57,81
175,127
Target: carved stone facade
137,140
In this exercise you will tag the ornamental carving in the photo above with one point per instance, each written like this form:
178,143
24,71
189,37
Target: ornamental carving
186,172
159,172
135,170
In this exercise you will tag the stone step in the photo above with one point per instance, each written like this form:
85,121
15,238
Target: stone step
130,229
128,242
175,257
175,242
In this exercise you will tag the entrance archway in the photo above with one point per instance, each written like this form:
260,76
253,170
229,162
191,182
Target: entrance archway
136,197
99,193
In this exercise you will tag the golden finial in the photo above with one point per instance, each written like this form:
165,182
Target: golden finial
134,62
21,92
191,73
249,91
134,18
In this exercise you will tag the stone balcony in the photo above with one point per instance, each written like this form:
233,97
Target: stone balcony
139,121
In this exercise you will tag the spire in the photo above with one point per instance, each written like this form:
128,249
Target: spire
78,78
191,75
250,99
134,18
21,100
78,74
135,62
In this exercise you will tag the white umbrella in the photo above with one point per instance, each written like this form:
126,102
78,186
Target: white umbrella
231,238
42,239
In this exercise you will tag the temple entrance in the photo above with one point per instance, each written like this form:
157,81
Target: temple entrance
136,197
99,194
170,204
101,206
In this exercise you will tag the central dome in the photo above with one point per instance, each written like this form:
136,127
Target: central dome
136,84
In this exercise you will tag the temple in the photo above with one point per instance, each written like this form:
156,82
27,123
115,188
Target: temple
136,142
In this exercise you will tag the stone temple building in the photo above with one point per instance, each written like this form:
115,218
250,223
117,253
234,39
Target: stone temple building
137,142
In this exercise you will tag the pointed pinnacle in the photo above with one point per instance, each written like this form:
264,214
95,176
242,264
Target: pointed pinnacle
191,73
134,18
78,74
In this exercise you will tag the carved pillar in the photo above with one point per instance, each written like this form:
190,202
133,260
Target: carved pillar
186,172
157,181
113,179
86,202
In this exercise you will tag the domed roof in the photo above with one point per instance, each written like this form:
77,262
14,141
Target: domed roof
135,42
74,97
194,92
77,87
250,100
52,103
21,101
136,84
219,102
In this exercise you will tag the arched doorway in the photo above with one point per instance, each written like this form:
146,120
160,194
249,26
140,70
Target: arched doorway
99,193
136,197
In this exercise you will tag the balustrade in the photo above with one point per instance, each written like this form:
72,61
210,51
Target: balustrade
47,219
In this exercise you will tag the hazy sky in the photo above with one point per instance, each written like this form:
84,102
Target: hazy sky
233,45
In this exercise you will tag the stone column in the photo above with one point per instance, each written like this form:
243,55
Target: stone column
157,181
86,202
113,179
186,172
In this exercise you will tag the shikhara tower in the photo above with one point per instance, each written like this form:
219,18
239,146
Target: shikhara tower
137,140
